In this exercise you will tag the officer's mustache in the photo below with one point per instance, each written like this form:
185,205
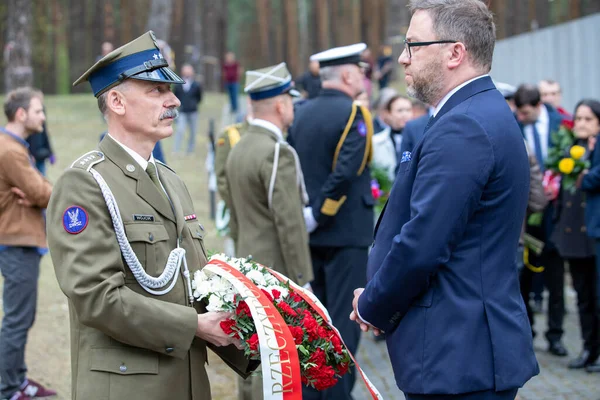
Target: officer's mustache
170,113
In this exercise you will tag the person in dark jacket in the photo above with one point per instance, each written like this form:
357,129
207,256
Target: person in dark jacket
41,149
587,121
310,82
190,96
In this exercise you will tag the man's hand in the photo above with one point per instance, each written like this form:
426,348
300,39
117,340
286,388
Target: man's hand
209,329
580,178
354,314
21,197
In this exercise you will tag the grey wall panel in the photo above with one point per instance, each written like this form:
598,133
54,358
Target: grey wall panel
568,53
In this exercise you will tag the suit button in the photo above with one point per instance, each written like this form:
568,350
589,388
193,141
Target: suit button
583,229
569,204
123,368
169,350
568,230
583,204
150,237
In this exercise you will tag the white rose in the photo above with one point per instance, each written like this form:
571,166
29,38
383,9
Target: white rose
215,304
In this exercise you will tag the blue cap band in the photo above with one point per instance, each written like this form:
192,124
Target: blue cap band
265,94
108,75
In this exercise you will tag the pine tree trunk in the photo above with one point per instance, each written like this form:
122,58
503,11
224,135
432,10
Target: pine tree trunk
291,26
159,19
322,14
17,51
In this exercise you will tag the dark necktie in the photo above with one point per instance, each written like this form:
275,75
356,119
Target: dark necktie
429,123
537,142
151,170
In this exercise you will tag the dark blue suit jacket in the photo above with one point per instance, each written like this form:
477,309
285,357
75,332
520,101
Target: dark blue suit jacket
591,185
445,288
555,119
412,133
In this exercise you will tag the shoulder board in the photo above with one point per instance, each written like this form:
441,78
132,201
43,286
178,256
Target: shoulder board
88,160
164,165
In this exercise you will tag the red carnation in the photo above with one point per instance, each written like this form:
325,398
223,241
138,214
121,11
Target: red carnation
323,377
276,293
311,325
318,358
268,295
343,368
297,333
227,326
242,308
295,296
337,343
253,342
287,309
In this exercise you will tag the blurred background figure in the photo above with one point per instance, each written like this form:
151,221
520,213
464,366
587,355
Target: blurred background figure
387,144
41,149
106,48
508,91
385,65
551,93
419,109
587,281
368,66
380,120
231,71
309,83
190,96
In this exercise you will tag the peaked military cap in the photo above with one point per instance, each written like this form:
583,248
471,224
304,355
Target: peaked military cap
507,90
269,82
138,59
340,56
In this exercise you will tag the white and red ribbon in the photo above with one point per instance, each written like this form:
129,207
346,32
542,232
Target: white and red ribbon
279,356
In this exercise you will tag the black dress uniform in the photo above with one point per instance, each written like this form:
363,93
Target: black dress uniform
332,136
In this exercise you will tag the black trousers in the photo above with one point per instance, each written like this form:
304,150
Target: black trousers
484,395
338,271
554,277
583,274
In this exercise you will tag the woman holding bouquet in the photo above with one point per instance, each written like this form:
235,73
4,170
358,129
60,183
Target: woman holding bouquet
574,244
587,121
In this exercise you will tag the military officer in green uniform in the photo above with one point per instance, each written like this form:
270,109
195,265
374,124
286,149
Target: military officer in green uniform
125,240
266,185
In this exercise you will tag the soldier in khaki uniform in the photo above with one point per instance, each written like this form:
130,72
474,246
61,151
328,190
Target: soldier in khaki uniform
114,219
266,186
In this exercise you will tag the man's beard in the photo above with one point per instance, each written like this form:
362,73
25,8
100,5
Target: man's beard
427,84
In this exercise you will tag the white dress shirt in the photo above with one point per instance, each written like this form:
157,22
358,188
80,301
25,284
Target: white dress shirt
451,93
542,125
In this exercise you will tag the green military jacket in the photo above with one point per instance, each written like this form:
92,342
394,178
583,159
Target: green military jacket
225,142
275,235
125,342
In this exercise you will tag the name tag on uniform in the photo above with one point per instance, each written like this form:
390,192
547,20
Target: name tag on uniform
143,218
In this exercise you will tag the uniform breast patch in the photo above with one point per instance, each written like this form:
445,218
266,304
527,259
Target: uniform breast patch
143,218
362,128
75,219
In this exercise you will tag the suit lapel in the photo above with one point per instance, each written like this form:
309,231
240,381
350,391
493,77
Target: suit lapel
145,188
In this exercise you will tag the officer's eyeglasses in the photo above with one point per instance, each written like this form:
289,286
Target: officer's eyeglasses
408,45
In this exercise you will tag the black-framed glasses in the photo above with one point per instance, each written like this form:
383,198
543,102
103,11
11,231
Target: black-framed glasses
408,45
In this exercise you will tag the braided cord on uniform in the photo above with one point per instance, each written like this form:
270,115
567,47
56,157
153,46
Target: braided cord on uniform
149,283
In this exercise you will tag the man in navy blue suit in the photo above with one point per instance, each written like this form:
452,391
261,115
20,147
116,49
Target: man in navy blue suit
537,121
445,287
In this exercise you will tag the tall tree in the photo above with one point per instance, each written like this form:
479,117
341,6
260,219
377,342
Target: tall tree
304,30
322,18
262,14
159,19
61,47
292,39
17,50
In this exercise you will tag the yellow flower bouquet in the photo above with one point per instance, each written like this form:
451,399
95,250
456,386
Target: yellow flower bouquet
565,158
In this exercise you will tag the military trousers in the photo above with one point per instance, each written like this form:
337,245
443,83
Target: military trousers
338,271
20,267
